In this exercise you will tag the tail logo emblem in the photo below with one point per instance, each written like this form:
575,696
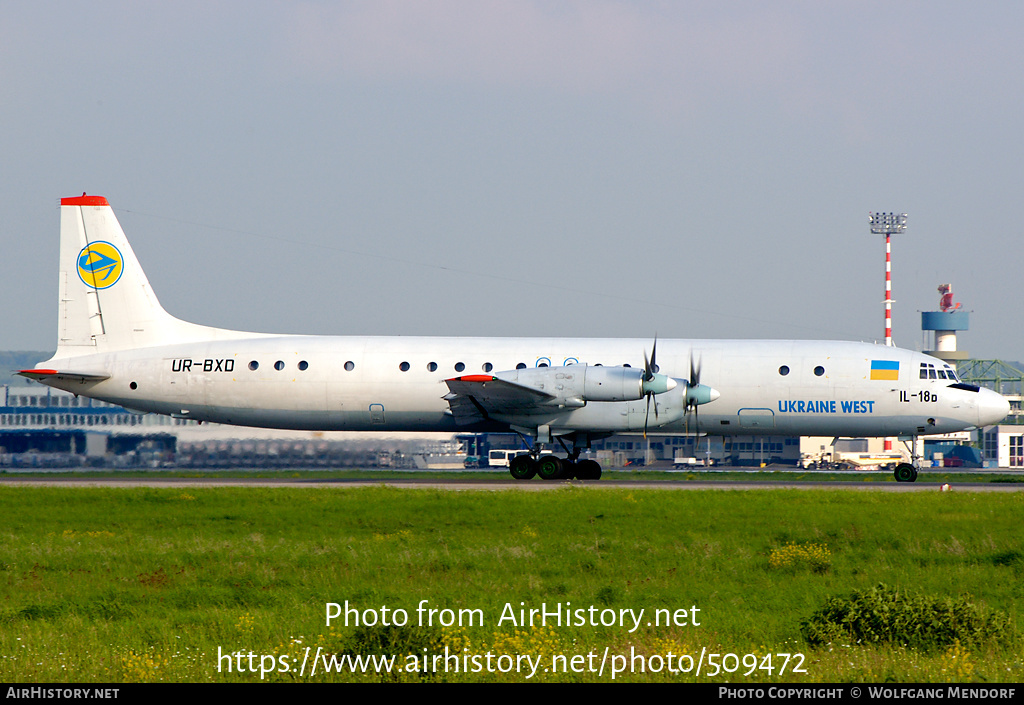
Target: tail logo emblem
100,265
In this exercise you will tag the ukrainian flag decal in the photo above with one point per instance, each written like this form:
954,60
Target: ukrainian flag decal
885,369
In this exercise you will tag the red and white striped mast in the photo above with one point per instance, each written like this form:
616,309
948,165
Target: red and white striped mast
888,290
888,224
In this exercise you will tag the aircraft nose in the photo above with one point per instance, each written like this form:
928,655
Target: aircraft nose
992,407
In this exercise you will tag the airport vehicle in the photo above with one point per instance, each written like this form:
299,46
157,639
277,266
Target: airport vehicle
684,461
116,343
503,458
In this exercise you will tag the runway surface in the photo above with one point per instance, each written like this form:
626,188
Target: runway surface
503,485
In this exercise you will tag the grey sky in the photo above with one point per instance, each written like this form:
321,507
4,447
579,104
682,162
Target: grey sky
524,168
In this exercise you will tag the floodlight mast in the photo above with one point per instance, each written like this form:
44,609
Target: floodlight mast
888,224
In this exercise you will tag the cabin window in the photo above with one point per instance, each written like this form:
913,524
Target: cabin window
350,365
303,365
431,367
254,365
279,365
784,370
487,367
521,366
404,367
460,366
819,371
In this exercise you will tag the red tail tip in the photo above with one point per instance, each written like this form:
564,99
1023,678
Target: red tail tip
84,200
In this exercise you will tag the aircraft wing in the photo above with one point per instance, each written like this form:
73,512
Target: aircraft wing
63,376
475,398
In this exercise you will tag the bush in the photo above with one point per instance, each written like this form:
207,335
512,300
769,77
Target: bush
891,616
391,639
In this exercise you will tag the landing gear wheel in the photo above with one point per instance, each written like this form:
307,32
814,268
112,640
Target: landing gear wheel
905,472
550,468
522,467
588,470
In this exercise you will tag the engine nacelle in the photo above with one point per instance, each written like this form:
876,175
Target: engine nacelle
574,385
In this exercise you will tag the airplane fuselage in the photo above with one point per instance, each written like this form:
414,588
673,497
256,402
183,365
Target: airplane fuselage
767,387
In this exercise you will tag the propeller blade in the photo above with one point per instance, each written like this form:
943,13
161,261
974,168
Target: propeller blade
652,382
651,365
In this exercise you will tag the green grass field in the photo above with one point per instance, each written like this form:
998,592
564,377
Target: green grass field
123,585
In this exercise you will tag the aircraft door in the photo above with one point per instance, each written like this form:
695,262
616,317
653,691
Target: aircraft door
377,414
757,419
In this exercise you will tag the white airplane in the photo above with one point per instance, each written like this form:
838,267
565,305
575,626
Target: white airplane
116,343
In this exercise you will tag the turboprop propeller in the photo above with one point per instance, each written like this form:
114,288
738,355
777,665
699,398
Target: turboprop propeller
654,383
697,394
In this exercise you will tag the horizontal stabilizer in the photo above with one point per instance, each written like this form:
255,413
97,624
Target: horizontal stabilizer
63,376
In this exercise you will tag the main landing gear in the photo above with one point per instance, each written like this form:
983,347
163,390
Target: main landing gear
550,467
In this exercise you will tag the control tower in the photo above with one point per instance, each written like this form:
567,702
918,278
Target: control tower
945,323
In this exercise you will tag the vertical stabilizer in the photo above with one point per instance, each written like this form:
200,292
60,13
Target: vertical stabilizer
106,302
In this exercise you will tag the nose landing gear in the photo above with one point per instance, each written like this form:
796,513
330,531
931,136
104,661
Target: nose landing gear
905,472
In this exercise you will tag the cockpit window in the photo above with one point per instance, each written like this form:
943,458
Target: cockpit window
928,371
